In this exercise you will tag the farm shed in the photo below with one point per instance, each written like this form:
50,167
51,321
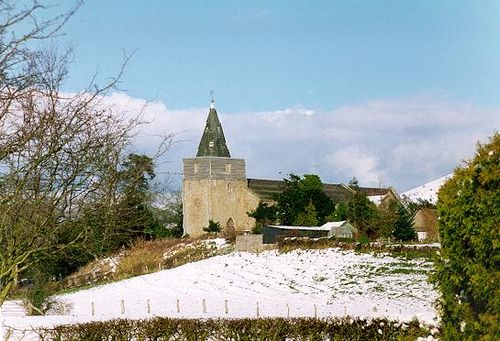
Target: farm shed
340,229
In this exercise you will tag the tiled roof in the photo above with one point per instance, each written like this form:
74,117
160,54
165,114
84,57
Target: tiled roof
268,189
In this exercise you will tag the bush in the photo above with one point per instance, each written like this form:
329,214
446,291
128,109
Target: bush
213,227
240,329
467,272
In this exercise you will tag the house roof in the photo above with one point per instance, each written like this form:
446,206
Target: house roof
213,142
374,191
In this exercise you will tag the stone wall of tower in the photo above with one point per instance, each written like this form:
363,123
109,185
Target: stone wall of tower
215,188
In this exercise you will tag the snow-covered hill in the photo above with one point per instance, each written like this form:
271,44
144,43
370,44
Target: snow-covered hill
328,282
427,192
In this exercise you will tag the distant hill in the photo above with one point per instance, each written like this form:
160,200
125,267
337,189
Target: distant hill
427,192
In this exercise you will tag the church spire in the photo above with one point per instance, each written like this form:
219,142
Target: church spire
213,142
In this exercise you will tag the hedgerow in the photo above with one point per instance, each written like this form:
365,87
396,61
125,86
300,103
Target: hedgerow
241,330
289,244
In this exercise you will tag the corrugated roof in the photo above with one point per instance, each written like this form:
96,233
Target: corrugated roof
305,228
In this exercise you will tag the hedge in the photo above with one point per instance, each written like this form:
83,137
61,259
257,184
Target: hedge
240,329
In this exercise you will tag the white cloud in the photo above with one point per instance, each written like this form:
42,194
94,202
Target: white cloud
360,164
401,142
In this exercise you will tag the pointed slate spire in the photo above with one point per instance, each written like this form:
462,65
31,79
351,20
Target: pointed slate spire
213,142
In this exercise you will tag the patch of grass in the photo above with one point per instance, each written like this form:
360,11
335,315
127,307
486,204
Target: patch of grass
407,271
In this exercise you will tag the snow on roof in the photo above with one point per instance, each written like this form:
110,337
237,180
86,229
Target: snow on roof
427,191
333,224
376,199
325,227
309,228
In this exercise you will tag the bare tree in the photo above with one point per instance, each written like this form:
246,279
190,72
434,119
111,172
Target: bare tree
58,151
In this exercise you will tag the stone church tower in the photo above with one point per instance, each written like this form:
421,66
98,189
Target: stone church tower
215,185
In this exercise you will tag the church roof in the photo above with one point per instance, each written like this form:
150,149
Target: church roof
213,142
267,190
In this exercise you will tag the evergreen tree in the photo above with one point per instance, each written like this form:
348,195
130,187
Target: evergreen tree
468,271
361,212
307,218
135,215
403,225
298,194
264,214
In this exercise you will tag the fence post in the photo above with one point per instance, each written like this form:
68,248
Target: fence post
287,310
258,310
123,306
92,308
226,307
345,311
204,303
315,312
178,306
149,306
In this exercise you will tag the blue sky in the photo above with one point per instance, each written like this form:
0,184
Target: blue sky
417,60
260,55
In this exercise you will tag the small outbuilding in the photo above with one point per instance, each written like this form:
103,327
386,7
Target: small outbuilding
338,229
425,222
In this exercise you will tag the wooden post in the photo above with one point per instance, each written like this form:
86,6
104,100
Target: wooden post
258,310
345,311
122,306
287,310
149,306
178,306
315,312
226,307
92,308
204,303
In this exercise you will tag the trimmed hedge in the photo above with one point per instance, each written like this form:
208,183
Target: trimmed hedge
240,329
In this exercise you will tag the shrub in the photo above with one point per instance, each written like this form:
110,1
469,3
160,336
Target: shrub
240,329
468,270
213,227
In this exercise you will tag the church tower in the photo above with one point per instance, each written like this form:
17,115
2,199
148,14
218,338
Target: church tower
215,185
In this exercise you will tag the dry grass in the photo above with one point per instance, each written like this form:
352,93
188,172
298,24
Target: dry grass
143,257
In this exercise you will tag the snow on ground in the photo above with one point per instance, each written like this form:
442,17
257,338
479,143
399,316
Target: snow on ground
427,191
328,282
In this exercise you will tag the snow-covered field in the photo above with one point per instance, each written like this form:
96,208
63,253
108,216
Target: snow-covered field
324,283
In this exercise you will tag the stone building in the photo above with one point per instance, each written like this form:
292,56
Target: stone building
425,221
215,186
